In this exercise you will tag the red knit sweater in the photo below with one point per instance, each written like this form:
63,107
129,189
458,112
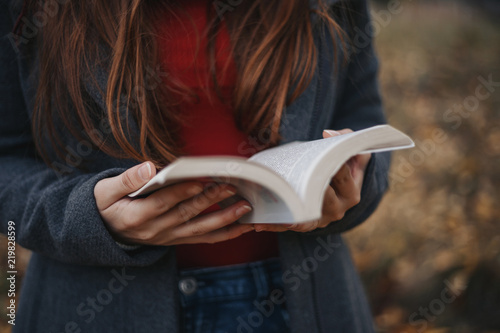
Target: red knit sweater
208,127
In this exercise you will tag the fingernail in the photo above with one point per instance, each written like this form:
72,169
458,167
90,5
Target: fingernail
289,226
230,192
195,190
145,172
243,210
331,132
259,228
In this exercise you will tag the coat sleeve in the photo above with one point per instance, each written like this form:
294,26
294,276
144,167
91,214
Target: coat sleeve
54,215
359,106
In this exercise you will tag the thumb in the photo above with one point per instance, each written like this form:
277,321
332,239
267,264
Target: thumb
110,190
328,133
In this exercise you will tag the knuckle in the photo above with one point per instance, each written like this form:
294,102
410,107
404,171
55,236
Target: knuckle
228,217
356,199
127,181
316,224
201,202
215,193
337,181
212,199
187,212
160,203
187,190
212,191
323,224
132,219
313,225
180,192
341,179
144,235
197,229
132,222
338,216
301,228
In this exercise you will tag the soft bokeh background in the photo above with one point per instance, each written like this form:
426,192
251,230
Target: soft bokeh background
438,227
430,255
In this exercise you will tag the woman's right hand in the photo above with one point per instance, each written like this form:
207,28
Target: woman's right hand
170,215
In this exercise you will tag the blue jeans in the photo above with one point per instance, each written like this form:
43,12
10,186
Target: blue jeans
246,298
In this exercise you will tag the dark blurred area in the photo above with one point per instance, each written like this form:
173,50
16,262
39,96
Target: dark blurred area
430,255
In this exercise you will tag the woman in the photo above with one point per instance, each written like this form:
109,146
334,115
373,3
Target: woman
90,89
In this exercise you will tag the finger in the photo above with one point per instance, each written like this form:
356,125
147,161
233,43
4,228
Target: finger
333,207
110,190
327,133
272,227
298,227
344,184
330,133
358,166
165,199
330,198
345,131
212,221
229,232
189,209
160,231
307,226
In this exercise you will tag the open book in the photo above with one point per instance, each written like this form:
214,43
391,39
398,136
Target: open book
284,184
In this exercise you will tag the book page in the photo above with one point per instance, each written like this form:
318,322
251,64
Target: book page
292,160
302,162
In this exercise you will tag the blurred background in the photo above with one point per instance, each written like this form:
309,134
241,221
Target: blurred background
430,255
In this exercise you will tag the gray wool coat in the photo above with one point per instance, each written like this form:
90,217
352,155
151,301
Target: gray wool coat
80,280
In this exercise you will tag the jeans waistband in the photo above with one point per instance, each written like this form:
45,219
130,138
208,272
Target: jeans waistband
249,280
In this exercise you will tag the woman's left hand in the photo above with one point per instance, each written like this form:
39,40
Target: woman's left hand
343,193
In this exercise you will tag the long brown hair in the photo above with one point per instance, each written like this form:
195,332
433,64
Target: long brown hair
272,44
